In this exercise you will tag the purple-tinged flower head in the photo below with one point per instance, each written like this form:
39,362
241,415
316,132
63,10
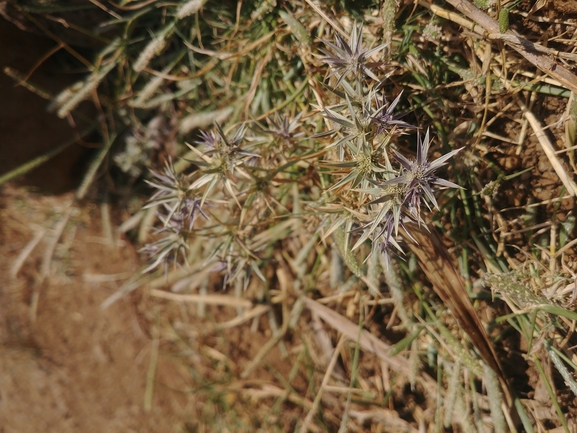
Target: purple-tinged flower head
352,57
386,120
217,141
191,208
385,239
174,194
180,210
226,152
284,128
171,189
165,250
173,221
169,184
209,139
385,211
418,176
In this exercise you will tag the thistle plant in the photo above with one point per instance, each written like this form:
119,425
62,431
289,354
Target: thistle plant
352,58
244,180
381,197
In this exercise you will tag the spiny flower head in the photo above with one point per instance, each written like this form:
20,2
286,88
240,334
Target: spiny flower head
171,190
419,177
168,249
284,128
226,149
386,119
352,57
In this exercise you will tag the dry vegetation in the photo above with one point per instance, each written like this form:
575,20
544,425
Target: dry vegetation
471,330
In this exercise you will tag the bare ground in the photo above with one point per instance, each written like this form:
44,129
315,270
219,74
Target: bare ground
68,365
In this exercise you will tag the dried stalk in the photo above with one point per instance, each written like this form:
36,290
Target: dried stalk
448,284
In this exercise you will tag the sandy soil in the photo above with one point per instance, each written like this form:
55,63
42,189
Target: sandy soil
67,365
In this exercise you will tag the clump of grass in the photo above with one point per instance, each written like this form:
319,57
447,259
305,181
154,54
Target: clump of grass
257,185
240,180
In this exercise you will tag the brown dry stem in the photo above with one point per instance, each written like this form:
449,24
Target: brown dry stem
448,284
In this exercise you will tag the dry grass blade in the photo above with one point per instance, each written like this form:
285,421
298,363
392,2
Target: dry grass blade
151,375
523,46
368,342
386,417
222,300
47,260
549,150
311,413
267,390
544,141
19,262
333,24
448,284
257,311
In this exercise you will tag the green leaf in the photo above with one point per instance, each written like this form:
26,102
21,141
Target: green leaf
504,20
558,311
296,27
405,342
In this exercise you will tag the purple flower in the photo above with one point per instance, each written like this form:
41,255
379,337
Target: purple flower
191,207
165,250
227,151
419,176
168,184
352,57
209,139
386,120
284,128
